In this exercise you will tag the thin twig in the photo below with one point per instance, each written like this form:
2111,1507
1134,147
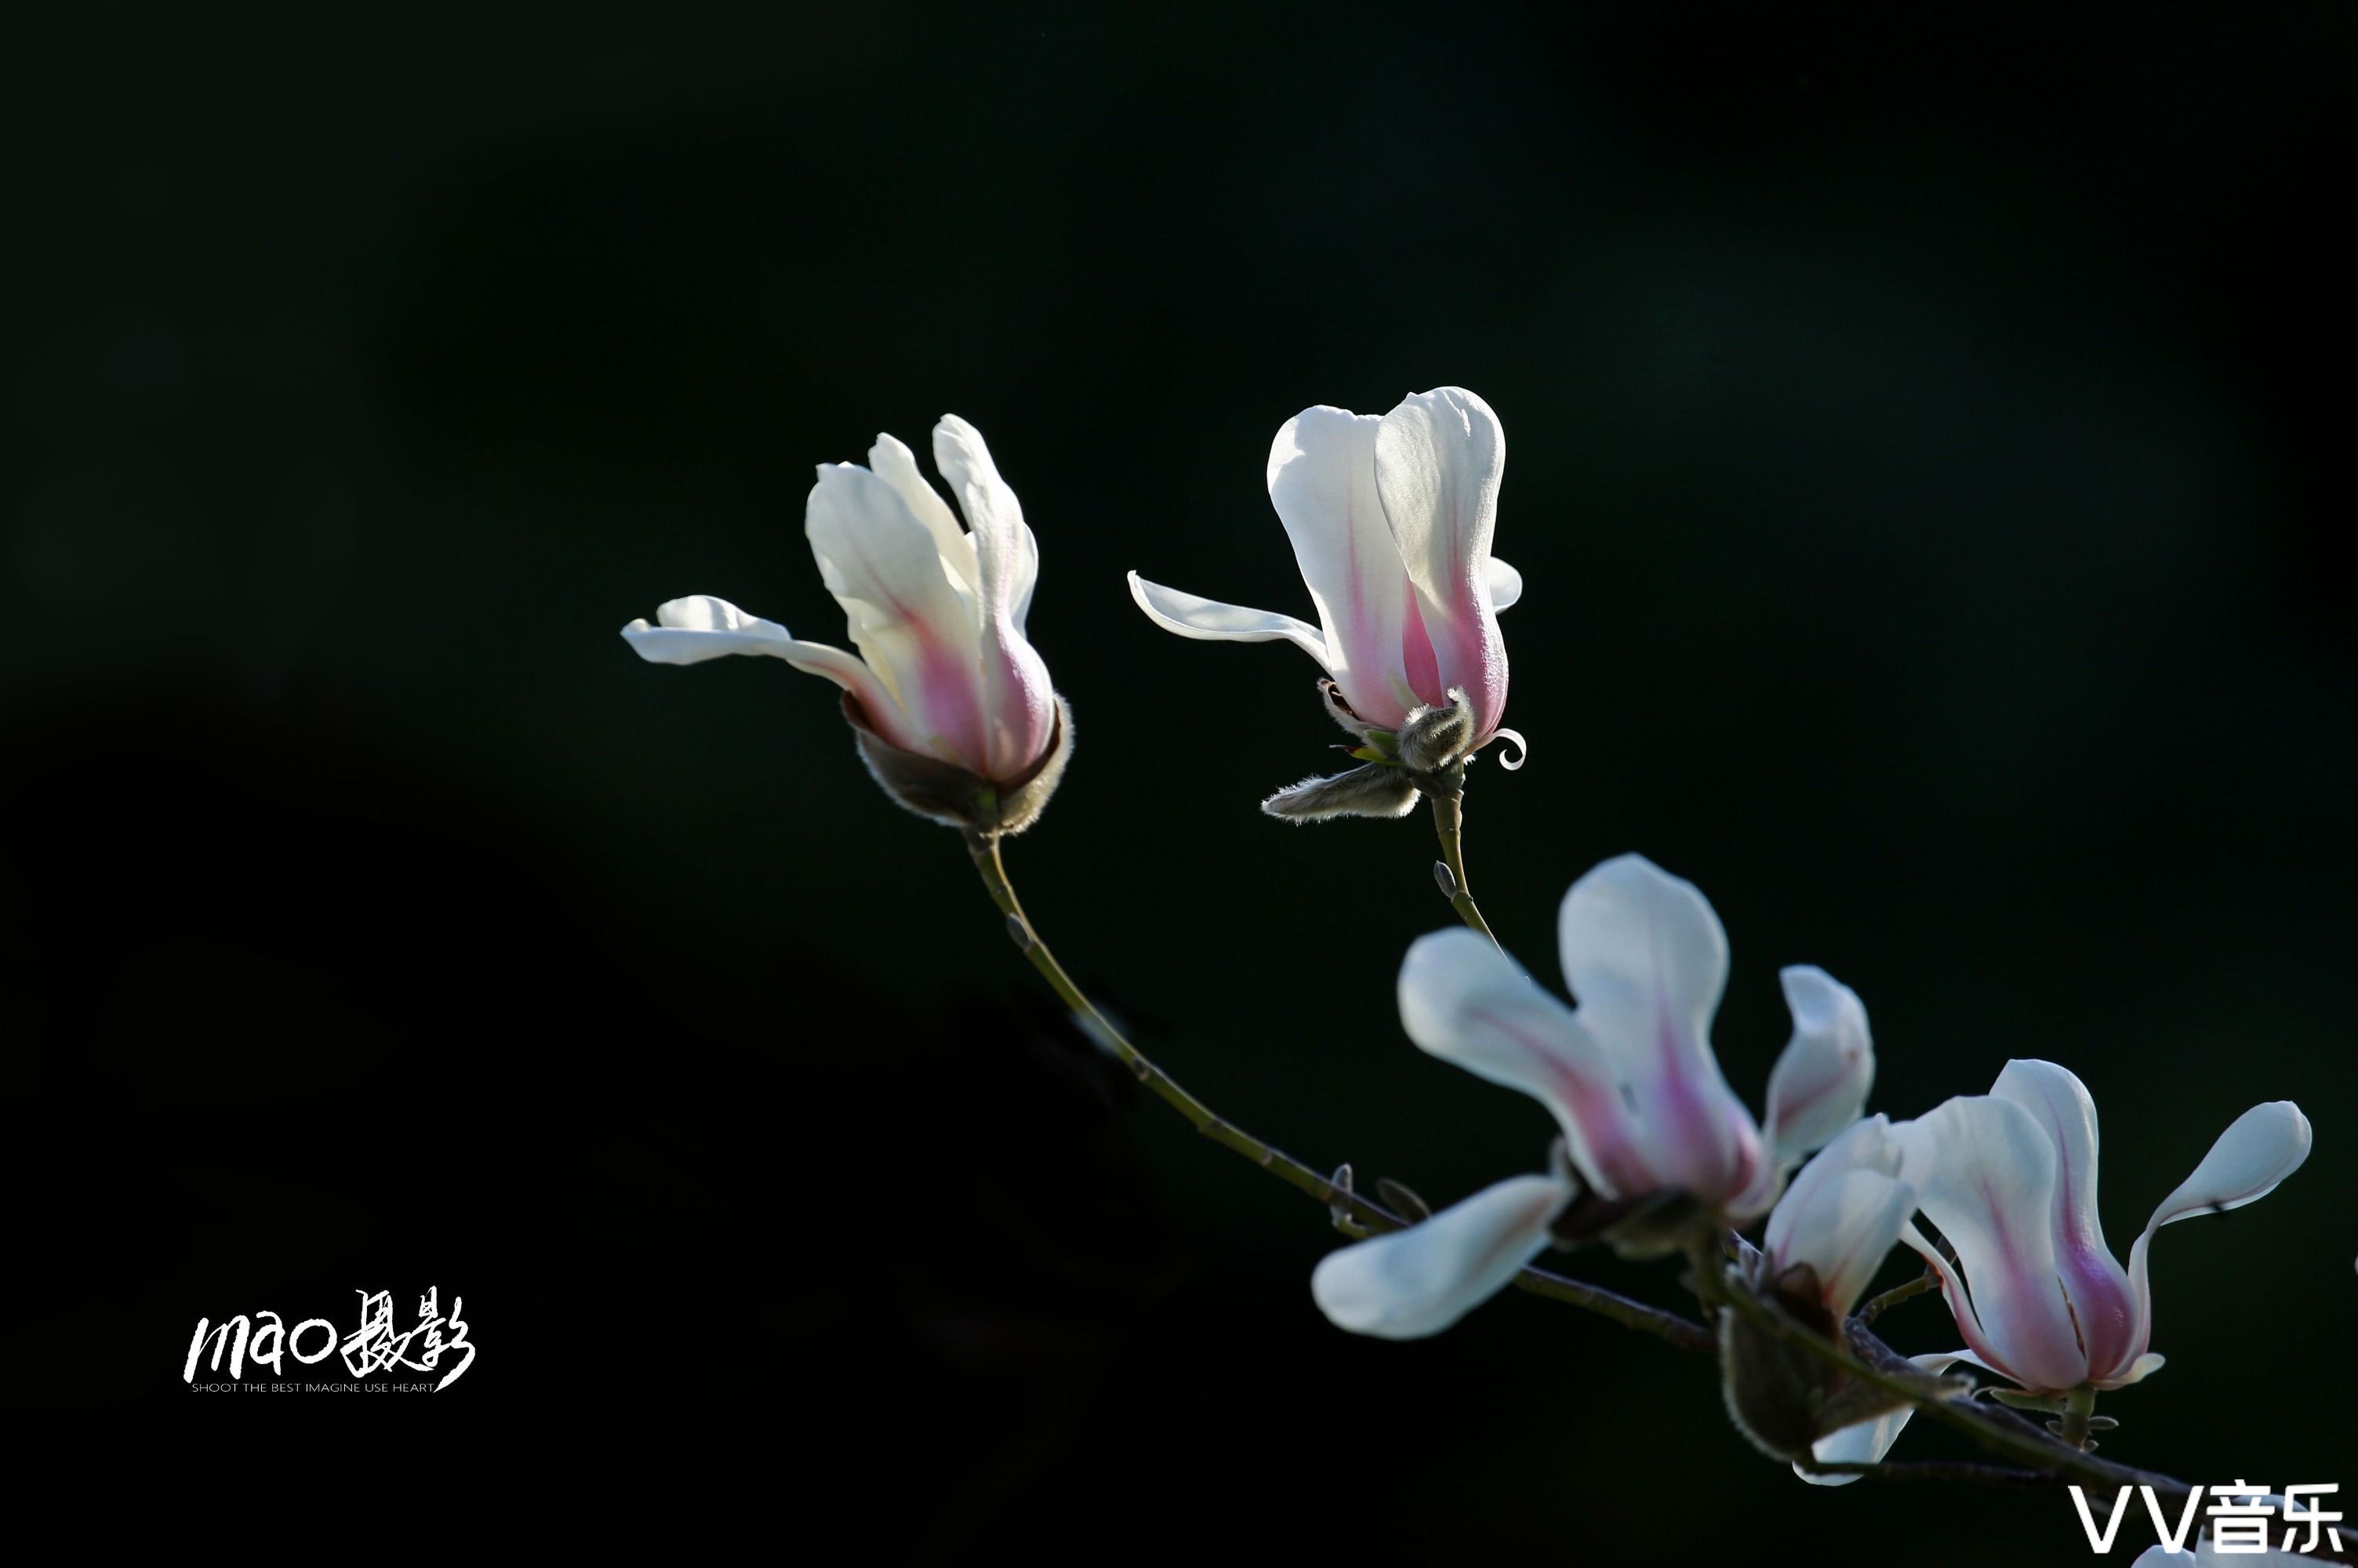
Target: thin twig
1449,823
1667,1326
1927,1281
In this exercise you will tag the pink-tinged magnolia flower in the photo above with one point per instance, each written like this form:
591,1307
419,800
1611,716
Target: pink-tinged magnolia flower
1390,520
951,704
1631,1076
2010,1178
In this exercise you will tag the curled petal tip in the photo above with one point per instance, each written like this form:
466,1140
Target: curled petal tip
1523,748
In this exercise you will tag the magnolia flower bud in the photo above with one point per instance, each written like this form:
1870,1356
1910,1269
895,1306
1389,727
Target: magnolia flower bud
951,704
1823,1243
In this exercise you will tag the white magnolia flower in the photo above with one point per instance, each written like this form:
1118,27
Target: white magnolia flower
1390,520
1631,1076
2010,1179
944,675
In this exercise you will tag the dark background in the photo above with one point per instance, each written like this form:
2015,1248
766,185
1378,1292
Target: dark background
1931,471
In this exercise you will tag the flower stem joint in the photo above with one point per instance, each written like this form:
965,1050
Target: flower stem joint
946,793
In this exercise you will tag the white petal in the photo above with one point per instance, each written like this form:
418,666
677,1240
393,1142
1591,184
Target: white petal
1008,554
692,630
1983,1171
1018,703
1869,1441
1209,620
2096,1284
896,465
1439,457
1819,1084
1506,585
2264,1146
1322,480
699,627
1647,960
1417,1282
909,621
1843,1213
1466,1003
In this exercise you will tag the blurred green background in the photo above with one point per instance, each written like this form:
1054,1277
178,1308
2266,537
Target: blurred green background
1929,465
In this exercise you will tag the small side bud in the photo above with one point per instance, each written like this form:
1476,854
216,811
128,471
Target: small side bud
1341,1212
1019,933
1445,880
1403,1201
945,793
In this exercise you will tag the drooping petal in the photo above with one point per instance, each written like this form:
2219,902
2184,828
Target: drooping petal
1843,1213
1869,1441
1647,960
1506,585
1821,1082
1465,1001
1209,620
1439,457
1983,1171
1418,1282
909,621
699,627
2263,1146
2093,1280
1322,480
1019,704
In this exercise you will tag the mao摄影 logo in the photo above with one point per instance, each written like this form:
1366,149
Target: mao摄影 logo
375,1346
